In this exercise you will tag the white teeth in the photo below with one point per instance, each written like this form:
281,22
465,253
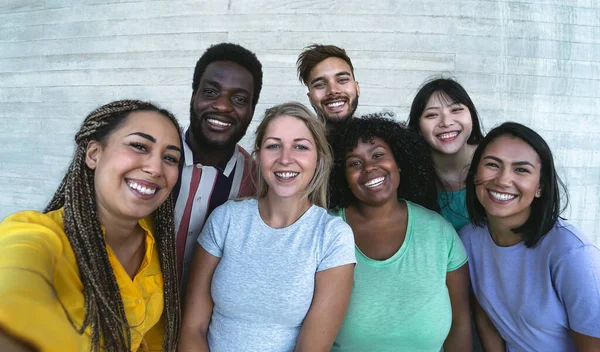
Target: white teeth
502,196
286,175
375,182
448,135
140,188
218,123
336,104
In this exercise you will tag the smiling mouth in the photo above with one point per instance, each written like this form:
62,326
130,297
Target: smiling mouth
336,105
501,196
447,136
217,123
375,182
286,175
146,190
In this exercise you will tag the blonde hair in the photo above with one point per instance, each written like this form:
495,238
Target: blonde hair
316,192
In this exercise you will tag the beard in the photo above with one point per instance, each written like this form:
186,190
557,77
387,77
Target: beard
337,119
203,140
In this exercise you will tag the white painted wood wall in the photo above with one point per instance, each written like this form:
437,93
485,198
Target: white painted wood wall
532,61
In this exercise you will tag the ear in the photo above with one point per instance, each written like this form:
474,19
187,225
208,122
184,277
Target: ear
92,153
538,193
357,89
308,94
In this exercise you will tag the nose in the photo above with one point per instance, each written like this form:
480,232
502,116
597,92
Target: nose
503,178
153,165
285,157
333,88
445,120
222,103
369,167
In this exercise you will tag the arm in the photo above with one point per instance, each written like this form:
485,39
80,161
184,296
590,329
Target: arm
9,344
198,303
30,246
491,340
585,343
460,337
326,314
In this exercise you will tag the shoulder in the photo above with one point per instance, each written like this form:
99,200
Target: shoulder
427,220
237,208
46,230
330,222
565,241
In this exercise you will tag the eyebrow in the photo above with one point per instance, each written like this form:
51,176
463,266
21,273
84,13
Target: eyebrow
516,163
341,73
153,140
352,155
438,107
295,139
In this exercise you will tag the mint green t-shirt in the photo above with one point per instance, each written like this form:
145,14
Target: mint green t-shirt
402,303
453,207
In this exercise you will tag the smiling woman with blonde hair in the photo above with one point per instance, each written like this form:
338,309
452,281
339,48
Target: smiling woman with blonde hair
273,273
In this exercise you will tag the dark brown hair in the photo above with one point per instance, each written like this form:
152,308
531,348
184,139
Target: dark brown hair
104,309
314,54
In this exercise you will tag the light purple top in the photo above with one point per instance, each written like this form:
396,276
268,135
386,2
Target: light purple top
534,296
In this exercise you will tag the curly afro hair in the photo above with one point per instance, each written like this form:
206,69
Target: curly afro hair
418,177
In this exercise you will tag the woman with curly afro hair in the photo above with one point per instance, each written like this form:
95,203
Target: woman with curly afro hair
411,286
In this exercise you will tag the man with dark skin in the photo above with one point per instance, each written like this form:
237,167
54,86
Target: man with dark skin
214,168
327,72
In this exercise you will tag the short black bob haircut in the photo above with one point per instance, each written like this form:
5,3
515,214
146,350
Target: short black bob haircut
546,209
234,53
451,91
412,155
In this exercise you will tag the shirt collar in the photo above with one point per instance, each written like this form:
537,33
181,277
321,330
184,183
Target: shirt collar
225,168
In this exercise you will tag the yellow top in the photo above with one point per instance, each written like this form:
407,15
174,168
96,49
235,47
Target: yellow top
38,268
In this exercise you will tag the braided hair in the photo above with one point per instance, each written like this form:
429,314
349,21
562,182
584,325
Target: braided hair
104,309
418,181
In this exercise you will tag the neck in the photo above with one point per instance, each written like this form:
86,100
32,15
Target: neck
501,230
389,210
281,212
118,232
209,155
452,168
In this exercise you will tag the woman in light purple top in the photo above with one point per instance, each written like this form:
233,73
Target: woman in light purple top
535,278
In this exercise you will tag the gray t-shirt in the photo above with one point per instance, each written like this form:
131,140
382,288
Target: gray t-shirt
264,284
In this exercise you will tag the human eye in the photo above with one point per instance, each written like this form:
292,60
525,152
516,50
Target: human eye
343,80
522,170
208,92
353,163
171,159
377,155
319,85
430,115
457,109
301,147
240,100
272,146
492,165
139,146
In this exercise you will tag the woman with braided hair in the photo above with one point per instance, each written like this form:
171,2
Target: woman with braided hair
411,281
96,270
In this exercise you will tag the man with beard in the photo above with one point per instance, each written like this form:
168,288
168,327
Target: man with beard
214,168
329,75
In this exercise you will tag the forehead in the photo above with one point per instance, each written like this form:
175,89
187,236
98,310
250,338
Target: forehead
228,74
441,98
329,67
288,127
511,148
365,146
150,122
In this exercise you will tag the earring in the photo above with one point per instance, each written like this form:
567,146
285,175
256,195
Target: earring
538,192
